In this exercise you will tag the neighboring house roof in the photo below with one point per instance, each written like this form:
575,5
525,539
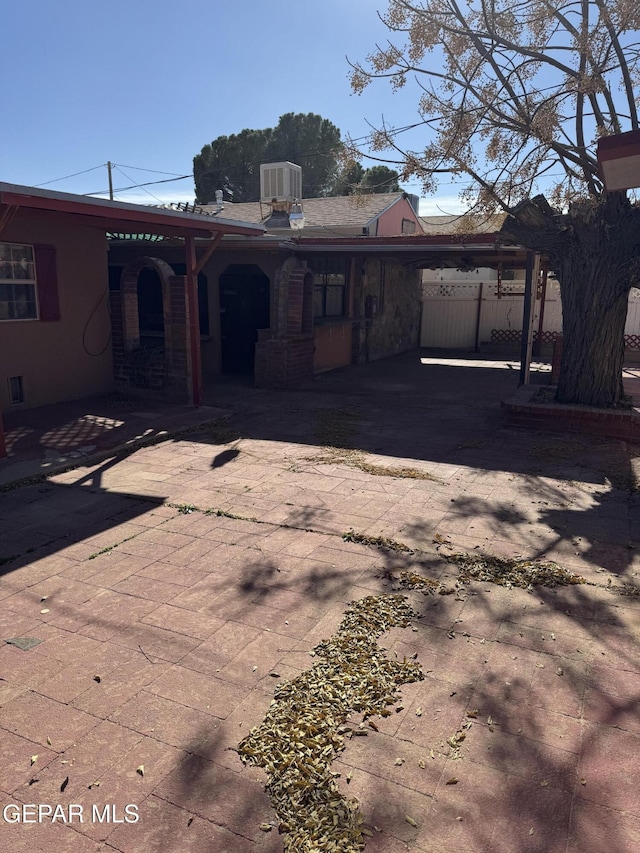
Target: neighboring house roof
334,214
462,224
118,215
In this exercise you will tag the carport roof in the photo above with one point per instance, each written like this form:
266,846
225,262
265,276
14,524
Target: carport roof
426,250
118,216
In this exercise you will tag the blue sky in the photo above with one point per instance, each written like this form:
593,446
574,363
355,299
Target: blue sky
147,83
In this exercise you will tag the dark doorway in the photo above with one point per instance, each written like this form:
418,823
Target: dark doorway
244,308
150,309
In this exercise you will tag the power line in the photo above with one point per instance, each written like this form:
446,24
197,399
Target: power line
75,174
140,169
155,197
136,186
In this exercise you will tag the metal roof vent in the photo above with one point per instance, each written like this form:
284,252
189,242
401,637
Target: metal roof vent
296,217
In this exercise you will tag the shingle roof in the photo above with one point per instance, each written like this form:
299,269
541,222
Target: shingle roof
462,224
331,212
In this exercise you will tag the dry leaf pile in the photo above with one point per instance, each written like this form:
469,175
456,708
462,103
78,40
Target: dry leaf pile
412,580
336,429
376,542
511,572
306,726
356,459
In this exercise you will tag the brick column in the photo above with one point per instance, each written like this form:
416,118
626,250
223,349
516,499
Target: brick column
284,355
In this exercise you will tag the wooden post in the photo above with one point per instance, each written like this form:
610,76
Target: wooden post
537,347
194,321
533,271
478,317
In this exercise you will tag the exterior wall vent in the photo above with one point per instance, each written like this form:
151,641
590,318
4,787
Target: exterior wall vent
280,181
16,390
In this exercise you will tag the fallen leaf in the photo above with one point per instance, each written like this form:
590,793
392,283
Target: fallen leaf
266,827
97,678
452,781
274,674
373,726
95,784
559,671
44,598
418,712
398,762
421,763
45,610
583,781
48,741
34,758
432,753
410,820
140,769
544,783
64,784
349,776
366,831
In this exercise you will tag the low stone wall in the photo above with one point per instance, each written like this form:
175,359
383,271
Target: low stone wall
521,410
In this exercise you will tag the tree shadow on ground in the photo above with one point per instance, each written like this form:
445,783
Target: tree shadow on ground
448,419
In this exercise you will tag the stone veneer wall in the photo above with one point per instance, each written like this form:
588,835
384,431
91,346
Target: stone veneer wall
395,329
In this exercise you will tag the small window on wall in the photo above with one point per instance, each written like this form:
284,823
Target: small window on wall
18,297
329,292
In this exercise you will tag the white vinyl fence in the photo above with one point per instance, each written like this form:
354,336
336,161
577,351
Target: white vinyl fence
460,313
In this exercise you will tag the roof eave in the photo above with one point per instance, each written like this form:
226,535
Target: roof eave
122,214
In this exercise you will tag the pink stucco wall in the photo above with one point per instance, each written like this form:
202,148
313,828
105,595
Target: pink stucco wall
71,357
390,222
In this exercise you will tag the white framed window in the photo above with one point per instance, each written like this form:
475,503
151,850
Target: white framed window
18,285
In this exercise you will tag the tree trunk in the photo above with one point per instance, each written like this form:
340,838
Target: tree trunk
593,249
594,313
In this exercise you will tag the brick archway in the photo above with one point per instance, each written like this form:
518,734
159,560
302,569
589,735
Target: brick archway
129,297
166,370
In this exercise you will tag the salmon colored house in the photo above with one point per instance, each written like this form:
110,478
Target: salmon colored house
56,340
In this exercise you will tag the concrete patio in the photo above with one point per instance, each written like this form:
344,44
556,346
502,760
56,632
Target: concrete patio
173,587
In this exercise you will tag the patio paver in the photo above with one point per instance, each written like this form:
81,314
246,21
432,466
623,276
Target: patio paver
163,650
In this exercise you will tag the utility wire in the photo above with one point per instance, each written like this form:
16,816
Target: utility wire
141,187
136,186
140,169
75,174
